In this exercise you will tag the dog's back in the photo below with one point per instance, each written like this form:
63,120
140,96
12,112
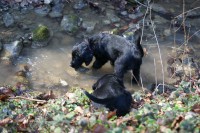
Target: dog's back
109,91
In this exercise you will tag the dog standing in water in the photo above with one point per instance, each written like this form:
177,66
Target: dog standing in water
105,47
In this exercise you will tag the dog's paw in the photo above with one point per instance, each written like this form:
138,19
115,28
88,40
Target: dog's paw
83,69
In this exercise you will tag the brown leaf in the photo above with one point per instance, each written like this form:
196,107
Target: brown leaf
175,123
196,108
5,121
20,118
122,120
5,93
98,128
111,114
46,96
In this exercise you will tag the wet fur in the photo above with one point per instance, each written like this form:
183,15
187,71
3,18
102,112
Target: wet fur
110,92
121,53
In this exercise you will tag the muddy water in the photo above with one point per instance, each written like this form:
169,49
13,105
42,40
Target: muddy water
51,65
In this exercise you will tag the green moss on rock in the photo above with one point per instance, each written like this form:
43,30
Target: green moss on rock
41,33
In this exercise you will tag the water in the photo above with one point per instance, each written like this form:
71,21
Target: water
51,64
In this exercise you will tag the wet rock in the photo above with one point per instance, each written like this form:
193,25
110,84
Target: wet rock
79,5
158,8
167,32
12,50
88,26
57,10
8,19
63,83
47,1
41,36
23,26
135,16
106,22
123,13
159,88
196,37
70,23
193,14
112,17
4,6
42,11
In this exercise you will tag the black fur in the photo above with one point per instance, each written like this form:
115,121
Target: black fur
110,92
121,53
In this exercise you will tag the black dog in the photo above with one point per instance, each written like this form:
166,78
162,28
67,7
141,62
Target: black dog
110,91
121,53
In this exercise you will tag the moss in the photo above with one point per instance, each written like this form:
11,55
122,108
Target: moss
41,33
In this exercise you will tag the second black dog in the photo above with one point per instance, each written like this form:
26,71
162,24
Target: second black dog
121,53
110,92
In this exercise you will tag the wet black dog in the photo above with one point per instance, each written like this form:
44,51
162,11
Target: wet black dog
121,53
109,91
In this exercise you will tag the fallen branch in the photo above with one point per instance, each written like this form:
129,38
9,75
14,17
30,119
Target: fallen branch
30,99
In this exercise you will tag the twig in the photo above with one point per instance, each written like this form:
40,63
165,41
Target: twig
30,99
156,80
163,76
187,11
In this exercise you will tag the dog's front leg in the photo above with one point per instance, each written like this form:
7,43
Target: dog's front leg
98,63
119,68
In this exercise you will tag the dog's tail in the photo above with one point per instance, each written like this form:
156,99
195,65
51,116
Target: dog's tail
98,100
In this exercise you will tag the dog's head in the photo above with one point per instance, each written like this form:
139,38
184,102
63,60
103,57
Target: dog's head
81,53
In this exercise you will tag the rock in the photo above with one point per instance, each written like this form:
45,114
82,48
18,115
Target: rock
160,10
167,32
123,13
57,11
112,17
41,36
63,83
12,50
70,23
79,5
8,19
47,1
193,14
88,26
23,26
106,22
41,33
159,88
135,16
42,11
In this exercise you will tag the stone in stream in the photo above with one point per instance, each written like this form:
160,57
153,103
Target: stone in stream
11,50
57,10
8,19
42,11
70,23
79,5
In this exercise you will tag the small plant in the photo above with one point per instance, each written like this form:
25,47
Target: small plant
41,33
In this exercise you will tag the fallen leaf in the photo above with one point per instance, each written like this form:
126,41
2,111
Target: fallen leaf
79,110
98,129
111,114
176,122
5,121
46,96
122,120
196,108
